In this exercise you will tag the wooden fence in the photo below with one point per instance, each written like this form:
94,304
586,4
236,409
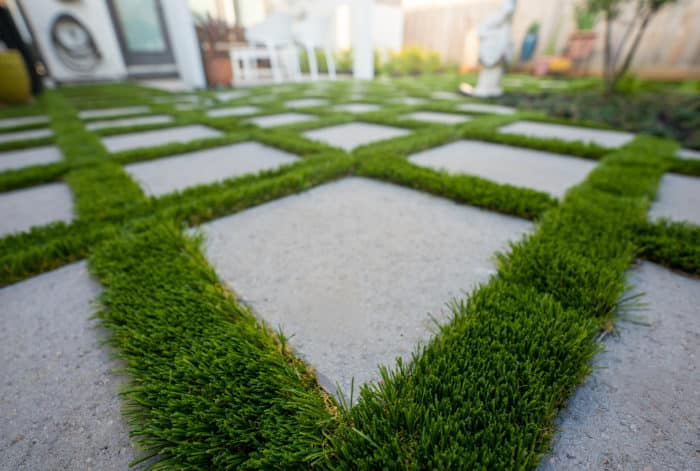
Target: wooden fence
669,49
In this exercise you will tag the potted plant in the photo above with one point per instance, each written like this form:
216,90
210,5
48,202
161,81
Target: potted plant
212,33
582,41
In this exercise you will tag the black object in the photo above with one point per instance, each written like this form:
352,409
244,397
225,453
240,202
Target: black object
9,34
74,44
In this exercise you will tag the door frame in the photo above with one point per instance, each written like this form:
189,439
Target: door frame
142,58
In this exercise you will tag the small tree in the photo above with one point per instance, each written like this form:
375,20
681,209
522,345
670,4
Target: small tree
614,66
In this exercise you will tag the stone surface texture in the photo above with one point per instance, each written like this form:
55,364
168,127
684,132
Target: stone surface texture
542,171
677,198
485,108
601,137
435,117
353,271
112,112
158,137
6,123
306,103
127,122
25,135
22,209
281,119
357,107
351,135
688,154
162,176
27,157
59,399
233,111
640,408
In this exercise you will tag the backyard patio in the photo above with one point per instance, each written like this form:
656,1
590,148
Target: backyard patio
345,274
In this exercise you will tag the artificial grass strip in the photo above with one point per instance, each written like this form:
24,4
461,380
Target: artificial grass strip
483,393
212,388
476,191
673,244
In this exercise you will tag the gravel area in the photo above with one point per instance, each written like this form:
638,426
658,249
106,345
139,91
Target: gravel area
678,198
354,271
161,176
27,157
601,137
59,399
543,171
640,408
22,209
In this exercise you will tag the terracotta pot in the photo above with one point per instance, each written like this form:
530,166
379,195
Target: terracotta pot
541,66
581,45
218,70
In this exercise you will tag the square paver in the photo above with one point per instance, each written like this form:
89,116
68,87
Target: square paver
445,96
231,95
601,137
543,171
357,108
27,157
354,271
7,123
688,154
486,108
233,111
435,117
112,112
128,122
22,209
281,119
61,407
678,198
640,404
306,103
158,137
409,101
162,176
351,135
25,135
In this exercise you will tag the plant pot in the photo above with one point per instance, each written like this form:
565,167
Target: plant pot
541,66
218,70
15,86
581,45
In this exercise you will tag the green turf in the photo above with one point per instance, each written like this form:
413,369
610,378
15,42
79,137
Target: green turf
213,388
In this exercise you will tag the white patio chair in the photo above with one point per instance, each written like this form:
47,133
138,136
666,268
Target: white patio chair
271,40
315,33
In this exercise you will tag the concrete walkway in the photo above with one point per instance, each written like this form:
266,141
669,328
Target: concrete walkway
59,400
640,408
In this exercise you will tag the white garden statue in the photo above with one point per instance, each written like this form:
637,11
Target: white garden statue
495,50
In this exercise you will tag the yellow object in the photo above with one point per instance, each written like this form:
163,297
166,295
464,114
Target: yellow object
559,65
15,85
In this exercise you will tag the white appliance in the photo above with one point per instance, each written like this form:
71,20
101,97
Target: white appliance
76,39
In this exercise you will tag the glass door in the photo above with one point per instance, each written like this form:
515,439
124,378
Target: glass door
142,33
